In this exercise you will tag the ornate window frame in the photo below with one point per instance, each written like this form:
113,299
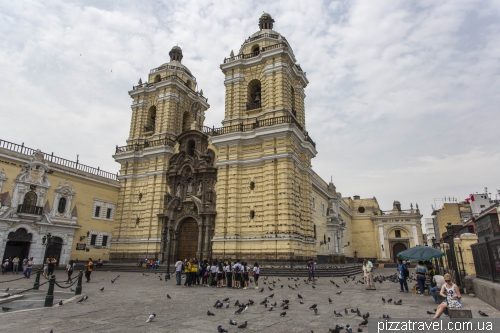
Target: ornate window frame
67,192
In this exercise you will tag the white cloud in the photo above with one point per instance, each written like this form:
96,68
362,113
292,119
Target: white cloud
402,98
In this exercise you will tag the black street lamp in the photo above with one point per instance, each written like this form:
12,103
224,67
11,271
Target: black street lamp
434,242
451,235
172,238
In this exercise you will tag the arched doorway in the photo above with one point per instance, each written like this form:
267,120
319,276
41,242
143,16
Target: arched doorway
54,250
188,241
18,244
398,247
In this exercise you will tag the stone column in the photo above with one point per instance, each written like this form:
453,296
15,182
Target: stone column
206,250
382,242
200,239
415,234
341,241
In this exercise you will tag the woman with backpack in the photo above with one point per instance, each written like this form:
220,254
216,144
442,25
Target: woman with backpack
245,276
403,275
229,275
69,269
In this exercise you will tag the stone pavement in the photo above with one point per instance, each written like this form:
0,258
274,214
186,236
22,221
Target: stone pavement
125,305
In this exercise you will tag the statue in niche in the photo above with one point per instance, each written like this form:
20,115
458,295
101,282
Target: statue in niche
178,192
190,187
200,187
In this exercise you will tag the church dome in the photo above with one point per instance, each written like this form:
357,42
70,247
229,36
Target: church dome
175,61
266,22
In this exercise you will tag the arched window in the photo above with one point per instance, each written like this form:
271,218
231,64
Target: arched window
61,207
151,120
157,78
254,95
190,147
30,199
255,50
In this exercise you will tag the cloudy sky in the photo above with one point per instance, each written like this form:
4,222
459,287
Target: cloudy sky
403,99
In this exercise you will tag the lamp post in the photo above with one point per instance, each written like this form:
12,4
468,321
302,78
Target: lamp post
449,231
172,238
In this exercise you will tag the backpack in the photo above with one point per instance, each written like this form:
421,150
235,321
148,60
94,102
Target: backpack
237,269
406,272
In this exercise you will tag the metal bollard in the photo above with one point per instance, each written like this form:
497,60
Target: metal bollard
37,279
49,299
78,290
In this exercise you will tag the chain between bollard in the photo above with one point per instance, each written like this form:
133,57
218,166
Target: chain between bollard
12,280
23,291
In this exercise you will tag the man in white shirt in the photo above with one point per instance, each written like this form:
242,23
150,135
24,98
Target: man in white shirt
439,281
178,271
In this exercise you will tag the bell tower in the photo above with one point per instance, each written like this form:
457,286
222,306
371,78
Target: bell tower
163,106
264,185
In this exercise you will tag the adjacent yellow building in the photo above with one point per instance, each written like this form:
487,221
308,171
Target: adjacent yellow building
42,194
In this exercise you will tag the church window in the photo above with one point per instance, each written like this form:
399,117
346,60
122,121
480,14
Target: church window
252,186
108,213
93,239
151,120
30,199
254,95
255,50
97,211
323,208
104,241
61,207
314,203
157,78
398,233
187,120
361,209
252,214
315,231
190,147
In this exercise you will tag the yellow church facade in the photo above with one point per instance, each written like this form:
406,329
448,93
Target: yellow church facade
245,190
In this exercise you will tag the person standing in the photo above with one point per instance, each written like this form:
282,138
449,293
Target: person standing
403,275
256,272
369,275
69,269
187,270
439,281
89,266
5,265
246,278
237,274
29,266
229,274
178,272
51,265
421,271
194,272
15,265
364,272
310,271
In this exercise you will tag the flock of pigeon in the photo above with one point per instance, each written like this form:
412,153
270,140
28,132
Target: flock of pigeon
285,304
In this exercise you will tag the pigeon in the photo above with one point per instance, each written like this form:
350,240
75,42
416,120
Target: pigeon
348,328
429,312
330,300
218,305
227,306
283,314
6,290
363,323
5,309
314,287
237,303
301,302
398,302
383,299
315,311
271,296
246,308
333,330
168,296
285,307
386,316
482,313
102,289
339,292
271,308
113,280
220,329
232,322
261,291
313,306
60,302
299,296
151,317
345,310
71,289
226,299
243,325
210,313
81,300
240,310
270,289
250,302
85,298
389,300
360,330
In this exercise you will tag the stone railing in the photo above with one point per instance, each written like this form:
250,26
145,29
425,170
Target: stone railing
167,141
